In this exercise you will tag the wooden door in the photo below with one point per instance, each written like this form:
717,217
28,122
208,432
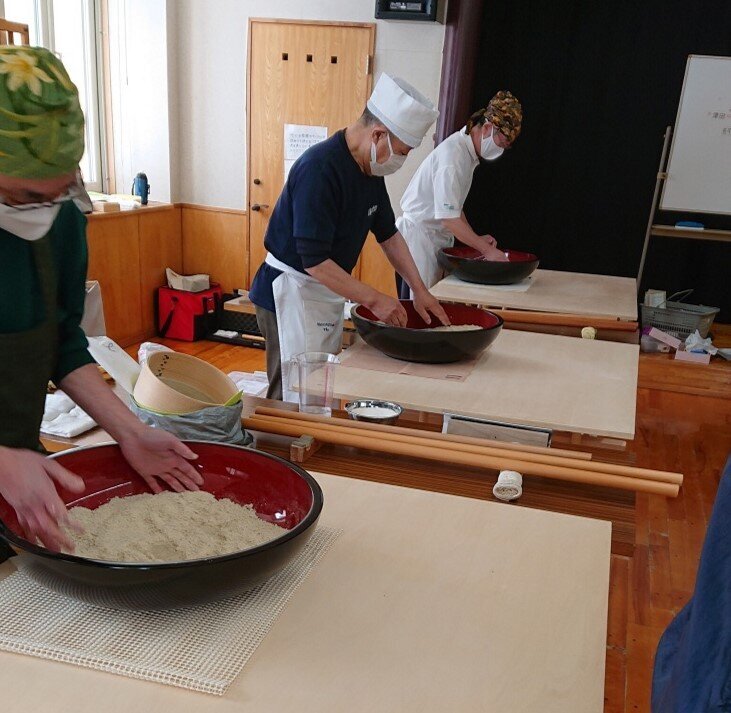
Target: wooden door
304,73
374,268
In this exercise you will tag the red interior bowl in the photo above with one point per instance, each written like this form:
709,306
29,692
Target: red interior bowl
417,343
469,265
279,491
467,253
457,313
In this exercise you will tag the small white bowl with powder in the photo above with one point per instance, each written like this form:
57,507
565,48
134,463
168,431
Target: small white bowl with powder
386,412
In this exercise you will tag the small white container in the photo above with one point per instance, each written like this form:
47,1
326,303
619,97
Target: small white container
509,485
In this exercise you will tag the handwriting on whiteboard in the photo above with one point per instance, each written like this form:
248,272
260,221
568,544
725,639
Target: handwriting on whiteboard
721,116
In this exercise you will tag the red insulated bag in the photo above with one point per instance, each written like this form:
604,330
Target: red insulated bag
188,315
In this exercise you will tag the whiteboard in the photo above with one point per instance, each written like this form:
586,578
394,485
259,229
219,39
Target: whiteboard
699,170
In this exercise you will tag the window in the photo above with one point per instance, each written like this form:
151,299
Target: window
69,29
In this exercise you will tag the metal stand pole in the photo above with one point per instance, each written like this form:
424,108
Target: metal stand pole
661,176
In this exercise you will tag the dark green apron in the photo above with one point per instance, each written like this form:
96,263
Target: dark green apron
27,362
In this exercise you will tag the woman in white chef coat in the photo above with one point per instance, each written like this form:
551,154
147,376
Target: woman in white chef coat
432,203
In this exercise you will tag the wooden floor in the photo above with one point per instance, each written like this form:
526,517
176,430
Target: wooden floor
683,423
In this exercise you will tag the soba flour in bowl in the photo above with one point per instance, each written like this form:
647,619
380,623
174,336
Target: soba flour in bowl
455,328
168,527
447,327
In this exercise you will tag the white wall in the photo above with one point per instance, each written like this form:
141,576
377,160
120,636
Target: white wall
173,97
139,74
208,83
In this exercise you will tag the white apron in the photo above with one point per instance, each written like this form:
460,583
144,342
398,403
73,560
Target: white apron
309,318
424,244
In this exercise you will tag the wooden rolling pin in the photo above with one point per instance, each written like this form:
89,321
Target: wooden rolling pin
294,429
565,320
351,428
431,435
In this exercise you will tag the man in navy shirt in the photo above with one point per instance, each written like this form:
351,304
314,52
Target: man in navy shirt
335,194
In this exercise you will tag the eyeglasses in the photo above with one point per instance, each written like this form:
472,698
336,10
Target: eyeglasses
76,191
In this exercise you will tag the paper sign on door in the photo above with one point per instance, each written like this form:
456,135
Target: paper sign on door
297,139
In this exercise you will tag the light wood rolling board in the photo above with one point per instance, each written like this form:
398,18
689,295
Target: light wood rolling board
426,602
552,291
544,380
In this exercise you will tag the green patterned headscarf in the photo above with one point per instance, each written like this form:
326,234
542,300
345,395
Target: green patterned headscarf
41,122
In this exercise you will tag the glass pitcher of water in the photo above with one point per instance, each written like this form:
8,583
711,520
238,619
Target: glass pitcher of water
314,377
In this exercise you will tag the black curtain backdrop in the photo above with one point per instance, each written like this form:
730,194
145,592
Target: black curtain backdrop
599,82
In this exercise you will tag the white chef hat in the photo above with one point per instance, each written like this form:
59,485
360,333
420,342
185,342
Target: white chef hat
402,109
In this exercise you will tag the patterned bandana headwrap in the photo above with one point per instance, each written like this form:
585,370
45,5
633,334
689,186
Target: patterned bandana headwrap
41,122
503,112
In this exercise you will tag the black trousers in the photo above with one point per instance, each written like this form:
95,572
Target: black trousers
402,289
267,321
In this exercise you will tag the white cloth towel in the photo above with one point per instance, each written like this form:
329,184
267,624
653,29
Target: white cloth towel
250,383
62,417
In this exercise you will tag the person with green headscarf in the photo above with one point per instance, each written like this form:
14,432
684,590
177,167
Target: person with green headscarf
43,259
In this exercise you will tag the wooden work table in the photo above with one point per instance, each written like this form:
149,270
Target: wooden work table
678,428
547,381
424,603
567,293
610,504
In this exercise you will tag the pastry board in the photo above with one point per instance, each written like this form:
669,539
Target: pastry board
542,380
426,602
604,296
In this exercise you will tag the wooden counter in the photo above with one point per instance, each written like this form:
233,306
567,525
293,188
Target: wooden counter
128,254
129,251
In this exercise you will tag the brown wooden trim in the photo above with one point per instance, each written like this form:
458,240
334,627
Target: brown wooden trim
565,320
670,231
156,207
211,208
334,23
9,28
247,197
372,54
134,212
459,59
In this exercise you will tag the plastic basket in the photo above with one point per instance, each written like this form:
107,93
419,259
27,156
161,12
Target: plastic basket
678,318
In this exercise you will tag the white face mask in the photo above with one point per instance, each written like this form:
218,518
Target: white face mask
390,165
33,221
489,150
28,224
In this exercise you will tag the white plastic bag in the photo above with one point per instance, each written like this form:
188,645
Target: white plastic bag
696,343
147,349
118,364
92,321
218,424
